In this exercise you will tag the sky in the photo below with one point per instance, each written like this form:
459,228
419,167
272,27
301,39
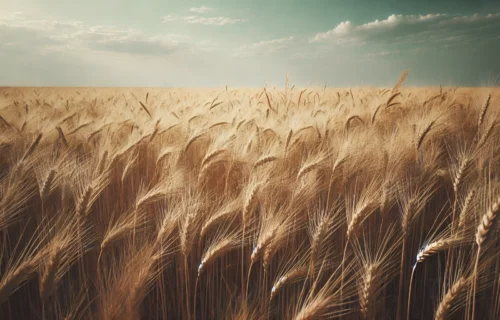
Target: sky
165,43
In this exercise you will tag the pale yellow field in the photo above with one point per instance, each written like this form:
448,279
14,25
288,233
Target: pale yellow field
276,203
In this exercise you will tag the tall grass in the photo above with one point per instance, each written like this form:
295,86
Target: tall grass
249,203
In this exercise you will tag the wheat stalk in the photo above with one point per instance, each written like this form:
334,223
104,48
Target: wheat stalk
306,168
435,247
445,307
314,309
32,148
263,160
83,202
210,156
459,175
251,197
486,223
463,213
482,113
486,135
102,163
289,277
47,184
402,79
368,288
192,140
48,278
482,232
216,250
319,236
145,109
288,139
62,136
217,218
423,134
13,278
375,113
351,118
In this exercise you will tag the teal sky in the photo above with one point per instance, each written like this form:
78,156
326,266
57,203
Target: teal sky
248,43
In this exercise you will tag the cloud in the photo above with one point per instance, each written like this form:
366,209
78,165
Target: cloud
475,18
18,32
414,28
381,54
214,21
170,18
399,20
265,47
209,21
201,9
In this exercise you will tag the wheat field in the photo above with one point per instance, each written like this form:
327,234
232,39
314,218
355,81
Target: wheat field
269,203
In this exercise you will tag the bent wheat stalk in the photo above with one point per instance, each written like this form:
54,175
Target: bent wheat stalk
481,235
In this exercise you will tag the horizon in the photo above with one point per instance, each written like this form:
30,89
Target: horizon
404,87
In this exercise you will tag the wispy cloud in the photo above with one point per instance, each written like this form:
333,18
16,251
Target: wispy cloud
201,9
381,54
21,33
423,28
213,21
265,47
209,21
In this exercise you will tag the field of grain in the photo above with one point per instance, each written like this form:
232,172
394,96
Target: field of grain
270,203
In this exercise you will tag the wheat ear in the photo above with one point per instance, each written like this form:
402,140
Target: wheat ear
314,309
482,232
83,202
375,113
308,168
217,218
210,156
262,161
288,140
32,147
61,135
457,182
48,278
463,213
318,236
217,250
486,222
368,287
444,308
289,277
145,109
423,134
12,280
434,247
192,140
47,184
483,111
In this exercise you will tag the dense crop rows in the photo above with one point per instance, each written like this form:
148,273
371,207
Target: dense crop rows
249,204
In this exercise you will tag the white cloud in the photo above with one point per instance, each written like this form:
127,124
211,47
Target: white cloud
387,53
396,20
209,21
201,9
414,28
20,32
383,53
213,21
265,47
170,18
475,18
341,29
